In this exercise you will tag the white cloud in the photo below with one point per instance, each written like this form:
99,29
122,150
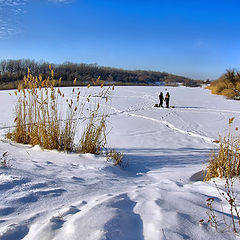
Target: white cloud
59,1
9,12
12,3
10,9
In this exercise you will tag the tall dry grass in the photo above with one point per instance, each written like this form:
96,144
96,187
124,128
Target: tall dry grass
40,120
225,164
38,117
226,161
94,137
227,85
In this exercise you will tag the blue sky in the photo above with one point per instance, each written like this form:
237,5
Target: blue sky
198,39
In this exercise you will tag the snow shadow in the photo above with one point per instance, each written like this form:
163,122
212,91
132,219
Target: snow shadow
6,211
125,224
15,232
11,183
140,161
188,107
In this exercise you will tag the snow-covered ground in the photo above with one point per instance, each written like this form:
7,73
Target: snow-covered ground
51,195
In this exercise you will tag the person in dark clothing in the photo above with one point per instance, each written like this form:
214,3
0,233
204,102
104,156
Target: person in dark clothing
167,99
161,98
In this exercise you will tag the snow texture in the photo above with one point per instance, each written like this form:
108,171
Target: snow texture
160,194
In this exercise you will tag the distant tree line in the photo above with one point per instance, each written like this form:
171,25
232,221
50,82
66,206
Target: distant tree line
15,70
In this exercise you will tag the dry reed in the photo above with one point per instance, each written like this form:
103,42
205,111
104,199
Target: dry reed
226,162
38,115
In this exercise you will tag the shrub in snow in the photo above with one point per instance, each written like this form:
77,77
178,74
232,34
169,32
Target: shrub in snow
227,85
39,116
225,164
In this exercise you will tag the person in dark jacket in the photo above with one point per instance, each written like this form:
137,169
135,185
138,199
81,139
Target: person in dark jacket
161,98
167,99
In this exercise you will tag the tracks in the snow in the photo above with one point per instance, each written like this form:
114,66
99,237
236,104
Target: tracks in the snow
162,121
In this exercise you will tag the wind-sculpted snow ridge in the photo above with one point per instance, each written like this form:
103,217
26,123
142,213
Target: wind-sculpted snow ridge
160,194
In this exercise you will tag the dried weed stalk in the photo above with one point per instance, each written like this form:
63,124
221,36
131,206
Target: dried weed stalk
225,164
4,161
39,117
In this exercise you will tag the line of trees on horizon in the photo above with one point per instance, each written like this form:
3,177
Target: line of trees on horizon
15,70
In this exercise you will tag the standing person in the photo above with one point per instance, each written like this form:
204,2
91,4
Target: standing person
167,99
161,98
